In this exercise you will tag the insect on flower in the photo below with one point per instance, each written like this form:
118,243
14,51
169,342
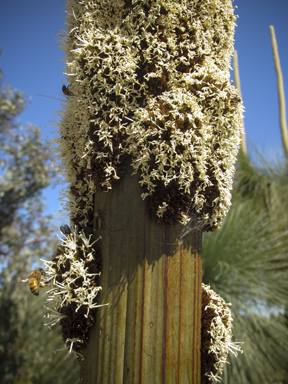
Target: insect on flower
66,90
60,250
235,100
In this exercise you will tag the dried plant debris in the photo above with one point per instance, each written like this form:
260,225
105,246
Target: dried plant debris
73,274
216,334
149,80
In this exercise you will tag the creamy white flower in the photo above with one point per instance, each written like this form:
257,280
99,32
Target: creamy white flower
69,278
217,331
152,82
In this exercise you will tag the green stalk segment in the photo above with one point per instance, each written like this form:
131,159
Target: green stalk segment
151,276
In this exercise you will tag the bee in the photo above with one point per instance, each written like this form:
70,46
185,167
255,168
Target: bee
35,280
60,250
235,100
66,90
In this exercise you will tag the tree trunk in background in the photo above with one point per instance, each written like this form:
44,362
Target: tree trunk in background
151,276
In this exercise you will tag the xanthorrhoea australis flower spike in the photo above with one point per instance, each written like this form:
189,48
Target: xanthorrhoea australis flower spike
150,80
149,86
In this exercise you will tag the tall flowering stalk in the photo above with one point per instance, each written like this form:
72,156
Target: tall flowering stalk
281,94
151,79
148,141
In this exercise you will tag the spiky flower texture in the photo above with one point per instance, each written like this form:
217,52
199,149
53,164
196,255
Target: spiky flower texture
72,274
150,84
216,334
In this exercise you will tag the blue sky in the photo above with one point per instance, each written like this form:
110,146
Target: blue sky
33,62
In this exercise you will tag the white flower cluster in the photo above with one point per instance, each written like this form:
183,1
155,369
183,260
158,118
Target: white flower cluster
69,270
216,333
150,79
71,281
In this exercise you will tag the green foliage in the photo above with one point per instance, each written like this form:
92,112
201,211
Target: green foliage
246,262
263,182
26,346
28,356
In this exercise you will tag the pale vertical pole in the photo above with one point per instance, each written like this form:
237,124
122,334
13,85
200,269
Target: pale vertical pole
281,94
237,84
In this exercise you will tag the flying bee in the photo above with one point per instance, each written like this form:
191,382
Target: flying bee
35,280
